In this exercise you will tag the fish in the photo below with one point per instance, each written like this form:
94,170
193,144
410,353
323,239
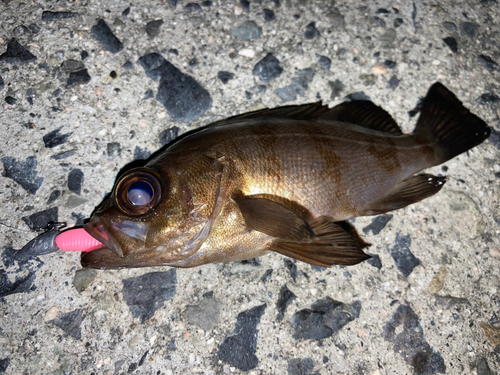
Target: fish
284,180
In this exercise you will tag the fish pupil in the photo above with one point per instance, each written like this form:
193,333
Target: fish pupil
140,193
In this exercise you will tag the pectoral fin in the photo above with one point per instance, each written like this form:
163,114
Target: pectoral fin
332,244
409,191
272,218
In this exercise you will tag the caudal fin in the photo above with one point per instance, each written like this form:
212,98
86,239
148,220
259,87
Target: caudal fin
445,122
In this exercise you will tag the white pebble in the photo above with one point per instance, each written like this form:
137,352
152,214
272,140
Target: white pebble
247,52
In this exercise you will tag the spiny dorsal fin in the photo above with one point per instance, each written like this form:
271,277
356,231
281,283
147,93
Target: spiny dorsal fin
309,111
272,218
332,244
360,112
366,114
409,191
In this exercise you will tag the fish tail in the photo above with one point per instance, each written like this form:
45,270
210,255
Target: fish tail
447,124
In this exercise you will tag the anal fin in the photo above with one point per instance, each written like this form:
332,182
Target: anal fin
409,191
331,244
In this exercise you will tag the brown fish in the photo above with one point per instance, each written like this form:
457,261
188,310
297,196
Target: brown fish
282,180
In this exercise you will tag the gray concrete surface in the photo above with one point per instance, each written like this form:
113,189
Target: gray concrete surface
430,305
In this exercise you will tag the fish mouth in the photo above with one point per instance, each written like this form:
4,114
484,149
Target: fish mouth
99,231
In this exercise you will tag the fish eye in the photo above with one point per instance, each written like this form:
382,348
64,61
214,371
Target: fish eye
138,192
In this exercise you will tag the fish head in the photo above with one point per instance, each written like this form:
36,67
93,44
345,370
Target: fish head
155,215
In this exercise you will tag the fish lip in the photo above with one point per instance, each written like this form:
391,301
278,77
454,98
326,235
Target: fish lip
98,230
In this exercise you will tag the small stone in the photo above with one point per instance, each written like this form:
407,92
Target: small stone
239,348
247,52
2,83
390,64
249,30
482,367
368,79
83,278
80,77
301,366
22,172
193,7
337,87
10,100
70,323
402,255
492,333
379,69
450,26
35,29
268,68
286,296
398,22
387,38
17,54
451,43
105,36
375,261
53,197
141,153
74,201
324,62
488,63
225,76
298,86
153,28
40,220
359,95
21,30
495,252
325,318
51,313
379,21
114,148
406,333
183,97
311,31
267,275
63,155
245,5
205,315
52,16
79,218
75,181
169,135
468,29
437,282
147,293
269,15
22,284
4,364
447,302
336,19
55,138
488,98
377,224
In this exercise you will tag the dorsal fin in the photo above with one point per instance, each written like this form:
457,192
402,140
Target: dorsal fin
360,112
309,111
366,114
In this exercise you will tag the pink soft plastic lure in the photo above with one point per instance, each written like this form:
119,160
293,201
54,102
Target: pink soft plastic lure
76,239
